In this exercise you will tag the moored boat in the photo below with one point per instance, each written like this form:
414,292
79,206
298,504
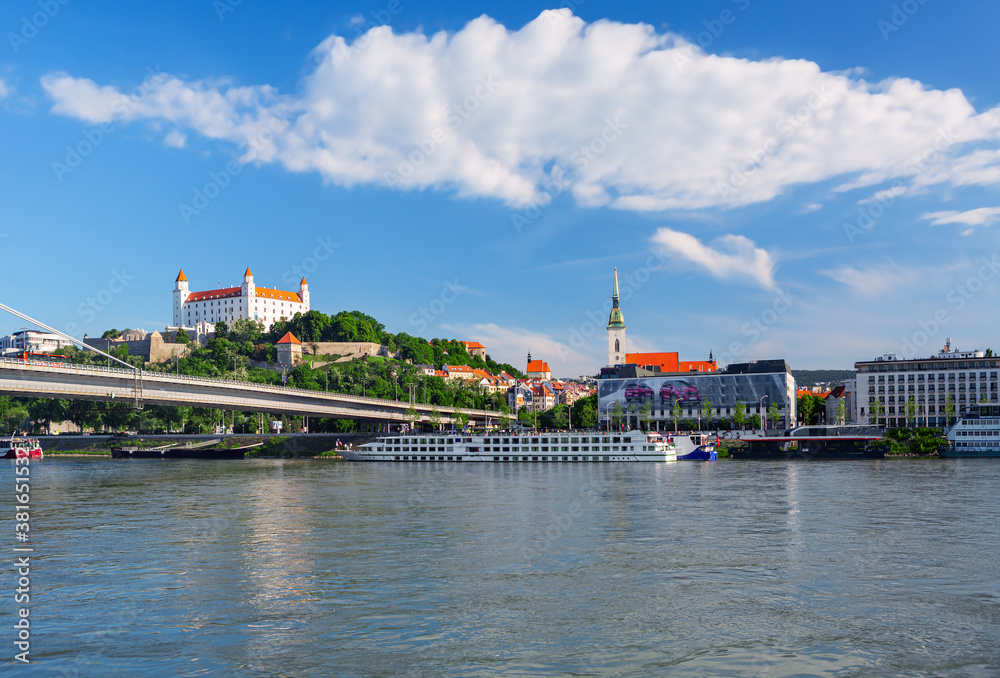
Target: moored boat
519,446
976,434
18,446
695,447
816,443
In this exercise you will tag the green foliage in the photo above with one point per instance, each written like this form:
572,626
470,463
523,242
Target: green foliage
111,334
739,415
182,337
773,415
921,441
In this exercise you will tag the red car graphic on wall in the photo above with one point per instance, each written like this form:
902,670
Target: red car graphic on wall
679,390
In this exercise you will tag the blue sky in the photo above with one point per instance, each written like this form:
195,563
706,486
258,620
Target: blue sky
772,180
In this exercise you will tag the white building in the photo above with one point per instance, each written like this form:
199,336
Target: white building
930,391
235,303
32,341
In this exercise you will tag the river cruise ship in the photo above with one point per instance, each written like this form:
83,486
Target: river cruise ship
519,446
975,434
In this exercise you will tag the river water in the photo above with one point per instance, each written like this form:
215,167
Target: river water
320,568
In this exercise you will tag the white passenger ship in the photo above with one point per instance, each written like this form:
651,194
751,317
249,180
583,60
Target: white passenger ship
579,446
975,434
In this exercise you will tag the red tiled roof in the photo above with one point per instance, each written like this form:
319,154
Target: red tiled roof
303,282
278,294
181,276
215,294
473,344
289,338
248,273
538,366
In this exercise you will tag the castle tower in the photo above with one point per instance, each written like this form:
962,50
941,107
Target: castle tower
304,294
248,296
616,329
181,294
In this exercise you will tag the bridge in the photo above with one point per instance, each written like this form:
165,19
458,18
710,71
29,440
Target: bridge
41,379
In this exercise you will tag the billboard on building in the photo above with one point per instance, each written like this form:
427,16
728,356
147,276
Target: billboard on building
718,390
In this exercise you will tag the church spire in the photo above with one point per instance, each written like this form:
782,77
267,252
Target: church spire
615,320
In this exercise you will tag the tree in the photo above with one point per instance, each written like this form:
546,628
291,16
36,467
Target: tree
585,412
806,407
412,415
774,414
949,406
911,410
706,412
739,415
842,410
435,418
645,415
875,411
676,411
182,337
221,330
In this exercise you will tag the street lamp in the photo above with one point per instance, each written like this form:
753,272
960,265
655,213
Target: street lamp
763,416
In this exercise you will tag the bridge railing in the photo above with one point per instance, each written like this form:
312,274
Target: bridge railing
443,409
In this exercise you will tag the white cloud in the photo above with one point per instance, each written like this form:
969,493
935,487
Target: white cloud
733,256
5,89
630,118
983,216
175,138
875,280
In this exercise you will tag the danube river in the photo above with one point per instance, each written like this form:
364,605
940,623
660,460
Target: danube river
320,568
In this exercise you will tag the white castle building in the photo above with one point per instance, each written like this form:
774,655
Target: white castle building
193,309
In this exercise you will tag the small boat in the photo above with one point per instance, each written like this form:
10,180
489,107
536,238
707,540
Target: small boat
18,446
695,447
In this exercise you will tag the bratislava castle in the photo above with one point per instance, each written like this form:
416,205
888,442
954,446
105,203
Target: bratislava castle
235,303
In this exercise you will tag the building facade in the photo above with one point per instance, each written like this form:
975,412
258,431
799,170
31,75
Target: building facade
930,391
629,390
32,341
236,303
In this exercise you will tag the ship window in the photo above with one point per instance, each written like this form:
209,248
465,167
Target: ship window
506,458
575,459
627,439
534,459
545,449
616,440
496,458
576,448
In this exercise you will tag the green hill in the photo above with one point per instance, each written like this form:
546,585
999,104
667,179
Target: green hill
805,378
